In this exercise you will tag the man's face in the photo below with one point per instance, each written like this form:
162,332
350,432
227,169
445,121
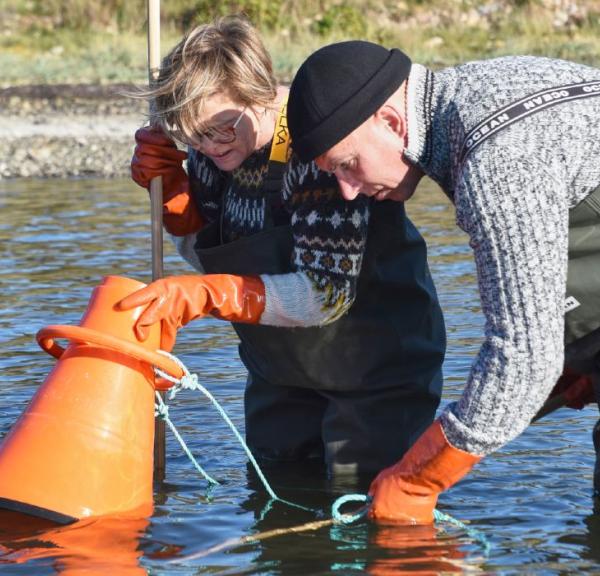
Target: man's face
369,160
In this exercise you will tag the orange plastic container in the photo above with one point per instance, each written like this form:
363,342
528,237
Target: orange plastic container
84,444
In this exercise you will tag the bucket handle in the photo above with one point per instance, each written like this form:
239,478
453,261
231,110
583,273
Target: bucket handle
46,339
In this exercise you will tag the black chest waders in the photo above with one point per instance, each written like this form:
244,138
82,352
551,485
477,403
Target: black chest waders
582,301
360,390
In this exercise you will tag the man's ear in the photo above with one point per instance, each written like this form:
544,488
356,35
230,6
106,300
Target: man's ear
391,119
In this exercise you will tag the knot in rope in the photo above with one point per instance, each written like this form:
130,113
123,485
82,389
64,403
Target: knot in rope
161,410
188,381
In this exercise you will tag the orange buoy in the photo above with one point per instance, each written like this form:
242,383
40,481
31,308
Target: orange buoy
84,444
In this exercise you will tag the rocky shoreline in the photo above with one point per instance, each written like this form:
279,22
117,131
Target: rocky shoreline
64,131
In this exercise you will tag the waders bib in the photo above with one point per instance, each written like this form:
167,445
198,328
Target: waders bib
360,390
582,319
582,306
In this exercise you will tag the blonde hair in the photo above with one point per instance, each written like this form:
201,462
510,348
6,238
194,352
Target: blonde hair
225,56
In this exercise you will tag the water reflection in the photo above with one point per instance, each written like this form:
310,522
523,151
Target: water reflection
532,499
360,548
91,546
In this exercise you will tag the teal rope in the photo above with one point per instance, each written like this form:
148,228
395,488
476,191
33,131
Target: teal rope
437,515
190,382
473,533
350,518
162,411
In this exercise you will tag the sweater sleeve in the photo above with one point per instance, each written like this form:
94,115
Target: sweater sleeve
330,237
516,215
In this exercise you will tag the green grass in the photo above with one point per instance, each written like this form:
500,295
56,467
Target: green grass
91,41
69,56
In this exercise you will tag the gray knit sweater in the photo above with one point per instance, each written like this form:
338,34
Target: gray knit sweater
512,197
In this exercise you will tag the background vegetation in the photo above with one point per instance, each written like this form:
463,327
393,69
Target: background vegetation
103,41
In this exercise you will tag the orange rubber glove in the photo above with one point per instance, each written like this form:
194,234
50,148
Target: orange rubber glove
408,491
177,300
156,154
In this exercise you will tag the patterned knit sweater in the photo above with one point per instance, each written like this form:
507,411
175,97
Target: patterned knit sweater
329,233
512,198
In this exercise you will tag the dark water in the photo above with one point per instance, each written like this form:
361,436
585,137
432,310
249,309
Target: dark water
532,500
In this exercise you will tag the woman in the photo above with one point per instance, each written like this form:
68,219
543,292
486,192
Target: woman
280,250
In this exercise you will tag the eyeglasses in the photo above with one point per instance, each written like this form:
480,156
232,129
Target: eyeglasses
221,134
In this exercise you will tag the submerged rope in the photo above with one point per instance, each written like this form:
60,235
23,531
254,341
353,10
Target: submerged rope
190,382
473,533
437,516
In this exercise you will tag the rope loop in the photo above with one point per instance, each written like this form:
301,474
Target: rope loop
350,518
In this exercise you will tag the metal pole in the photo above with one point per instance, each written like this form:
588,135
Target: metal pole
156,195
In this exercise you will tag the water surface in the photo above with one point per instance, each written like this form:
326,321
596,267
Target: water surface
532,500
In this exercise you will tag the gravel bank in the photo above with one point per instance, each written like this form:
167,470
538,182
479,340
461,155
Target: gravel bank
67,130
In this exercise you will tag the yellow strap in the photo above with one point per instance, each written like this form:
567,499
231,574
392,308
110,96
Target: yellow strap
280,147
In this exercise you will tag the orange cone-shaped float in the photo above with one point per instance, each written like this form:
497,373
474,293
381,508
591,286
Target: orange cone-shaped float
84,444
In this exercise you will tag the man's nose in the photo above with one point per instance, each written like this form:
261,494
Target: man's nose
349,189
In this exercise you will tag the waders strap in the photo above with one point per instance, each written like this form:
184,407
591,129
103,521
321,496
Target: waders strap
280,152
525,107
278,159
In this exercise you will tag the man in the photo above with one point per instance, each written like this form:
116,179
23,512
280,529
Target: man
515,144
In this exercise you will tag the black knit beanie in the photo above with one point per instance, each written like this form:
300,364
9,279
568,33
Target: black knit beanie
336,89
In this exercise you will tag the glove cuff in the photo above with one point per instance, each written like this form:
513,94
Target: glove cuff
408,491
434,463
180,214
234,298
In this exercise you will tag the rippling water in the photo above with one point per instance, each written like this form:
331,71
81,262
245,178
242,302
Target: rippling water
532,500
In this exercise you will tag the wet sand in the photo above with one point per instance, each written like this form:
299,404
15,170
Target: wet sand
65,131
